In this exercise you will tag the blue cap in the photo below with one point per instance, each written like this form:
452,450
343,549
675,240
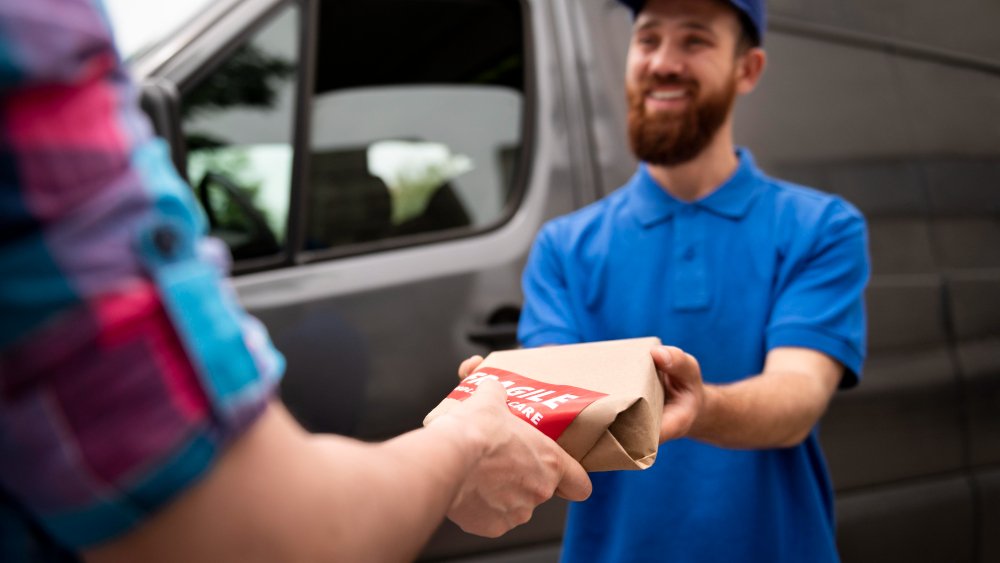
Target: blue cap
754,12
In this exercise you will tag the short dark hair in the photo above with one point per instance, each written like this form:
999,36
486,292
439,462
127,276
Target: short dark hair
748,35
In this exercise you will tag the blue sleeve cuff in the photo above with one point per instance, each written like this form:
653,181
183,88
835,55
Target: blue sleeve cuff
836,347
548,338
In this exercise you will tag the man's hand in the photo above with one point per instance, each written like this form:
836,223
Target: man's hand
684,392
468,366
521,467
774,409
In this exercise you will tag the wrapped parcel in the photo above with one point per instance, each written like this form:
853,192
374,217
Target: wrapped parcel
600,401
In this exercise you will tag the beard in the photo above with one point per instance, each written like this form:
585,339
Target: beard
669,139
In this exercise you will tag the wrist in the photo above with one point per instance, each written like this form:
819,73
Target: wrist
466,437
711,399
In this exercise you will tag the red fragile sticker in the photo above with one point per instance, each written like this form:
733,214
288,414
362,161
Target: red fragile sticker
551,408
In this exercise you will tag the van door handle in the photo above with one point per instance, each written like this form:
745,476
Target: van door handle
499,332
495,337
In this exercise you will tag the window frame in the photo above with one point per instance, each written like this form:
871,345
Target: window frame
205,65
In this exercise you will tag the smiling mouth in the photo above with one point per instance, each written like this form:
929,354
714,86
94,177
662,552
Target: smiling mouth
667,94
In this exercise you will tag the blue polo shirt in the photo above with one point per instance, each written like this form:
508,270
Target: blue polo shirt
757,264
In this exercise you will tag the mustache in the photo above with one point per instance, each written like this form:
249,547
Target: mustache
669,80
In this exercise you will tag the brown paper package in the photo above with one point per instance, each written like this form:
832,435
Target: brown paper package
619,431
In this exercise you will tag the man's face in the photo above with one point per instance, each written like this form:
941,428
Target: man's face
681,78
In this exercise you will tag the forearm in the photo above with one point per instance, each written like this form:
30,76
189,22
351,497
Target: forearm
280,494
775,410
398,493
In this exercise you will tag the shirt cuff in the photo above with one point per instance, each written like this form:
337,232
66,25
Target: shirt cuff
549,337
799,336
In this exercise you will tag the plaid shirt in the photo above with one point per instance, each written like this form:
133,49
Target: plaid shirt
126,363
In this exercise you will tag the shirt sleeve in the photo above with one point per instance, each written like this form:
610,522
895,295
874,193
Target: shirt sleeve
546,316
127,364
820,304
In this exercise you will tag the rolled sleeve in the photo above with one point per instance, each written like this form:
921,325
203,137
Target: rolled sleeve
821,302
106,418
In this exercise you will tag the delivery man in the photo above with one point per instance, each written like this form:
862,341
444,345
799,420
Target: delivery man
756,282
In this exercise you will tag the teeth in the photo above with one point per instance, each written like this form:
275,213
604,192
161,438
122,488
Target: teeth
667,95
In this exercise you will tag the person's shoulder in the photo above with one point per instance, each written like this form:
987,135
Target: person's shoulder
810,205
583,224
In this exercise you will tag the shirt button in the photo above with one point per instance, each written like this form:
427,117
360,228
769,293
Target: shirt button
166,240
688,254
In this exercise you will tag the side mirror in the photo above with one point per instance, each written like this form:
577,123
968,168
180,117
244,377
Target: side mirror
160,100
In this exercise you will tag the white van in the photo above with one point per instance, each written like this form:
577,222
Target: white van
379,169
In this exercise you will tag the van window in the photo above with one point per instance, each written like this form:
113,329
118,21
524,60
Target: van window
238,128
416,118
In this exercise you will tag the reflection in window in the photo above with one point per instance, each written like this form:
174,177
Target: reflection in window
414,172
411,135
238,125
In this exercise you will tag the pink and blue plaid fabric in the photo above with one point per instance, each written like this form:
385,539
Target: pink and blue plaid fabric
126,363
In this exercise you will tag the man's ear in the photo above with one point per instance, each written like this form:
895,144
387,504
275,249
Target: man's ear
749,68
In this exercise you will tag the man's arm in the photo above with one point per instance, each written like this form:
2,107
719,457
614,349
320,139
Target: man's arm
775,409
282,494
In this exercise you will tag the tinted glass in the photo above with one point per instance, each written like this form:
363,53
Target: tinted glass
417,118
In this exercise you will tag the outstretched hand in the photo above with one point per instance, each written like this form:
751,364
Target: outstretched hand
521,468
684,392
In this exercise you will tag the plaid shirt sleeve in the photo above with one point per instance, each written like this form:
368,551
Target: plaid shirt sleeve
126,362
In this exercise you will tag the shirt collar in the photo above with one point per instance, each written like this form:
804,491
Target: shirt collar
652,204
